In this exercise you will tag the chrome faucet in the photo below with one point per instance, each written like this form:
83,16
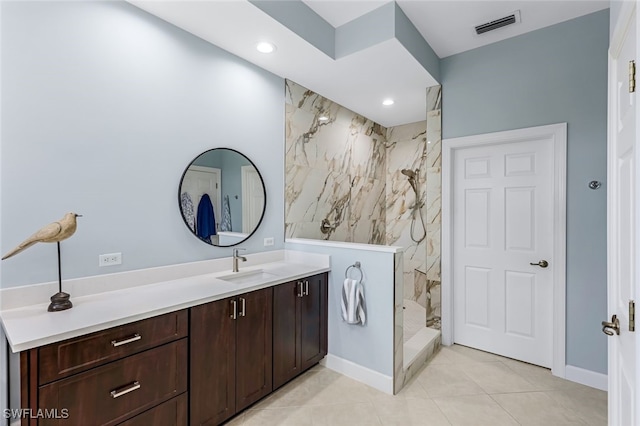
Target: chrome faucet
237,257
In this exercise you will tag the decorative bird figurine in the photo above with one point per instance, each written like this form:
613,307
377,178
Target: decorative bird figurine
52,233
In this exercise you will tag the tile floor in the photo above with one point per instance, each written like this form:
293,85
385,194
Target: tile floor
460,386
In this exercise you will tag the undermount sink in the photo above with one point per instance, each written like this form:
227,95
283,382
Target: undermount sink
249,277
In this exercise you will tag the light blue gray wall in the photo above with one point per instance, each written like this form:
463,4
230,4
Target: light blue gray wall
410,37
366,31
103,106
556,74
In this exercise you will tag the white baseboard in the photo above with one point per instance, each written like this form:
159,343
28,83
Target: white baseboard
586,377
357,372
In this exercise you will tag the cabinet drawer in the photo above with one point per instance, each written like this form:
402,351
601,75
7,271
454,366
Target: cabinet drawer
112,393
170,413
72,356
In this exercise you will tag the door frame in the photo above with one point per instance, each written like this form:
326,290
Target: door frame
558,134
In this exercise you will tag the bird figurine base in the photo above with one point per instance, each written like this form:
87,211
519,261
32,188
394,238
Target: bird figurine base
60,302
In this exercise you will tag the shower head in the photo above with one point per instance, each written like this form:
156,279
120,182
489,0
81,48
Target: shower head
408,173
412,176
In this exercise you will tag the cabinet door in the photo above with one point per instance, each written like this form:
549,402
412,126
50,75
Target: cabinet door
213,363
313,321
286,332
254,347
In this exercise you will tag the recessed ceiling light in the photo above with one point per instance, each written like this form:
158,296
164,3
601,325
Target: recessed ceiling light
387,102
265,47
323,118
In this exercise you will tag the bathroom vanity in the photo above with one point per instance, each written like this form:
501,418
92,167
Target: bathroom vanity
200,359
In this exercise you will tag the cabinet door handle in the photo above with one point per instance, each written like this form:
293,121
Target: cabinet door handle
131,339
306,287
116,393
243,306
300,289
234,309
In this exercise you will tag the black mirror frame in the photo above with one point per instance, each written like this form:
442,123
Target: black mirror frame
264,190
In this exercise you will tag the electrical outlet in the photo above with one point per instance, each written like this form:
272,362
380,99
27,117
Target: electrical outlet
110,259
268,241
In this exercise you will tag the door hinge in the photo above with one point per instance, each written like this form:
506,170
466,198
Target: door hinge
632,315
632,76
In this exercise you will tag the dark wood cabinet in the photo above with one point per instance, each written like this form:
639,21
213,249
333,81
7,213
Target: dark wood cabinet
299,326
231,355
108,377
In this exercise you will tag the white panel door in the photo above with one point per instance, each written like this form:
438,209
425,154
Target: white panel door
252,198
622,233
502,222
199,180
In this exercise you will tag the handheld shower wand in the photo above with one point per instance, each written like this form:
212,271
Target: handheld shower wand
412,179
412,176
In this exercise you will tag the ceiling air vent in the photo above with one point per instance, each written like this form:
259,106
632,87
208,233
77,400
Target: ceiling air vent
499,23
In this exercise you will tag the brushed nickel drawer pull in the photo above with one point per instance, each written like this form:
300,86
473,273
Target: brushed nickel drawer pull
243,307
135,337
234,312
125,390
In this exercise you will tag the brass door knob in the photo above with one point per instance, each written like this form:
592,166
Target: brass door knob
542,264
609,328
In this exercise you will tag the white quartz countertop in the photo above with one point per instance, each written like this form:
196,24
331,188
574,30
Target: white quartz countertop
31,326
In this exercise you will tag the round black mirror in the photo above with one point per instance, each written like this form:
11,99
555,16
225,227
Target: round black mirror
222,197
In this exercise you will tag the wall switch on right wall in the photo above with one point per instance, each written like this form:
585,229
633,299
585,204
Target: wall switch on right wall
268,241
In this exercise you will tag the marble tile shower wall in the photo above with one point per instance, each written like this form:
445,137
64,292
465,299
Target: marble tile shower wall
335,170
406,225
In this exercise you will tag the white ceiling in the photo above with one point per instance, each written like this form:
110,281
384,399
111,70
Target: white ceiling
362,80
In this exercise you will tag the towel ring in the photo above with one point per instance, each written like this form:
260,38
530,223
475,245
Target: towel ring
356,266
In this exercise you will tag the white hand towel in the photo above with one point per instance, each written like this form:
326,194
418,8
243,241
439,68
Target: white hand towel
353,306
